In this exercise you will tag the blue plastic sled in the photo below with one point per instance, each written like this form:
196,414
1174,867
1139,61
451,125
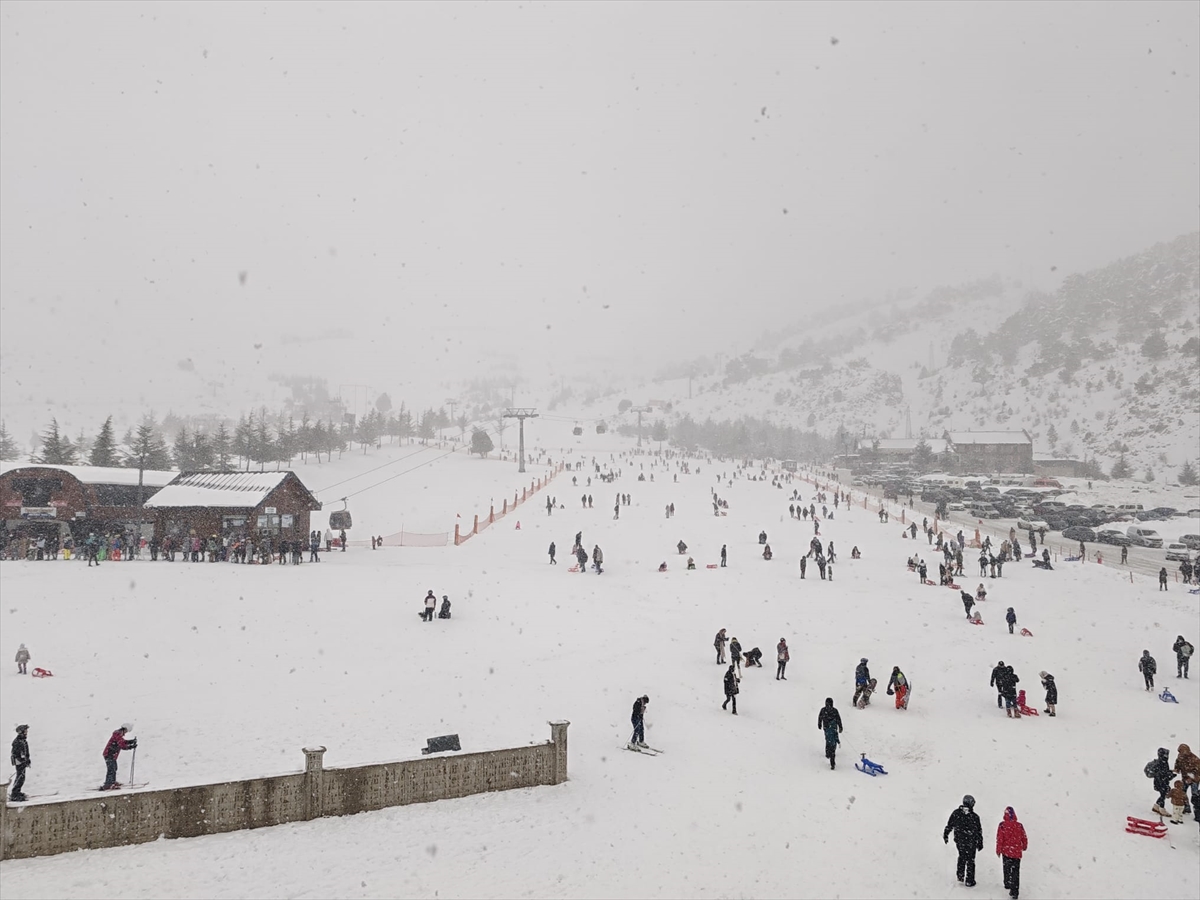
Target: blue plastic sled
869,768
1167,697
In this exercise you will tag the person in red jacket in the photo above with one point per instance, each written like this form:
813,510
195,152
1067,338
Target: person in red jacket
116,743
1010,843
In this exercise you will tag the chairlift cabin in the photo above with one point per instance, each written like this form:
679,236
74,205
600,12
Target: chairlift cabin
601,428
577,430
340,519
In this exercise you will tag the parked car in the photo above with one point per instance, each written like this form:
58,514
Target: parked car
1191,541
1112,536
1047,482
1141,536
1193,513
1105,509
1081,533
1159,512
955,506
1178,553
1130,508
984,511
1045,506
1031,524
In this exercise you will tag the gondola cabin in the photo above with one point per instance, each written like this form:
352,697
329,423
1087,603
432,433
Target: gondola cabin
577,430
601,428
341,520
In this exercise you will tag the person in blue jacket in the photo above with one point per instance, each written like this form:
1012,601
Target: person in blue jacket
862,677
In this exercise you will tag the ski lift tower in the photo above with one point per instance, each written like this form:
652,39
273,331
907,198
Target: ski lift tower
521,413
639,410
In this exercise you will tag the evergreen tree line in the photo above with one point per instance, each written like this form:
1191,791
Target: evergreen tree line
257,438
750,437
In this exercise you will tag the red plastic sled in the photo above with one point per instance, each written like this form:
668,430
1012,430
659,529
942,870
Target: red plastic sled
975,621
1145,827
711,566
1028,711
1025,632
953,586
42,673
573,569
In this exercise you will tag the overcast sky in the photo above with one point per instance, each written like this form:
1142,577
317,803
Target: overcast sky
648,180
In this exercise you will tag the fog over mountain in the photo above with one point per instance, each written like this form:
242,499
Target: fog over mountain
406,196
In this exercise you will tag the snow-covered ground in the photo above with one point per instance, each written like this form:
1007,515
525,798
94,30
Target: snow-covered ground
228,671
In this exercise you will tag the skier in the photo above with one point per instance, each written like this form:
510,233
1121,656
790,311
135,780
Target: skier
781,657
430,603
968,838
1160,770
20,760
552,551
116,743
723,556
898,685
719,642
1183,655
829,720
1147,666
1051,693
1011,842
22,659
862,680
638,719
1011,618
997,681
731,689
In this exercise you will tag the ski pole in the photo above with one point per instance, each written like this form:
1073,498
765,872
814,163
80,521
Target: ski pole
132,766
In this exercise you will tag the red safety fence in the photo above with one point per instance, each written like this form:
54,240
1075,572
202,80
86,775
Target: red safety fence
482,523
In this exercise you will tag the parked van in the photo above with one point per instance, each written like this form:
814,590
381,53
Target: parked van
1129,508
1144,537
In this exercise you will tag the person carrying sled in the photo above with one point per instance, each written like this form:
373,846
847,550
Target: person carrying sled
1183,655
638,719
968,838
862,682
731,690
1011,842
20,761
116,743
1147,666
898,685
829,720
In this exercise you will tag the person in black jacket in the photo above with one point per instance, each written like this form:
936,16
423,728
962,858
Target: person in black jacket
1183,655
20,760
638,721
829,720
996,682
968,838
731,690
1007,683
1160,771
1051,692
1147,666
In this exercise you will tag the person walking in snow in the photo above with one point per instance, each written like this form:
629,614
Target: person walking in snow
829,720
552,551
116,743
735,653
1160,771
719,642
598,559
1183,655
1051,692
731,689
430,603
968,838
1147,666
862,680
1008,689
898,685
724,553
22,659
803,566
20,760
1011,618
967,601
1162,578
998,683
1011,842
781,658
638,719
581,558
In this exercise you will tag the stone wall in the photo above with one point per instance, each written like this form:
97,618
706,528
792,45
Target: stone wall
117,818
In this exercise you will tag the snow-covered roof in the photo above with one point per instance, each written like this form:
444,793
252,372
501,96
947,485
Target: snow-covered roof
100,474
227,489
937,445
988,437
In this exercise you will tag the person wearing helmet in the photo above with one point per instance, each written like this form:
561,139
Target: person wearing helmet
20,761
862,677
116,743
968,838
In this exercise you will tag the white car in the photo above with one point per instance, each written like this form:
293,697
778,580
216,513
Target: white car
1178,553
955,505
1029,524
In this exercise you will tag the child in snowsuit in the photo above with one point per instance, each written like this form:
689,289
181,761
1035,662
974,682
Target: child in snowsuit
1011,618
898,685
1147,666
22,659
1051,692
1178,797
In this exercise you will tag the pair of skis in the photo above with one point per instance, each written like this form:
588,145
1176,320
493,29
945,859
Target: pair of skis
648,751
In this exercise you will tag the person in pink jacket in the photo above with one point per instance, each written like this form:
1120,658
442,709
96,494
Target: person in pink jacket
1011,842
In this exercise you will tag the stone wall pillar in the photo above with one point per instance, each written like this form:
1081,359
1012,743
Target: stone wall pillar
314,769
558,736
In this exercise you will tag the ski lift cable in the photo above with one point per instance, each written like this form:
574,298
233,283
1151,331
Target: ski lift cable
367,472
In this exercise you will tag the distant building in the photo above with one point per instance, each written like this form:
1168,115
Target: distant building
991,451
899,448
268,504
1060,468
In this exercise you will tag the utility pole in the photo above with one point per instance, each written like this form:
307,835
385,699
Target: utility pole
521,413
639,410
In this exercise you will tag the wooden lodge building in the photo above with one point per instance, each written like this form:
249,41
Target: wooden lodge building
220,503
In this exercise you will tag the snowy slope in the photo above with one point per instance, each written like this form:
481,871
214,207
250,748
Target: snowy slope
228,671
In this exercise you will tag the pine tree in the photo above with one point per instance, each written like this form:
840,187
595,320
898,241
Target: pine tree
243,439
222,447
56,449
659,432
428,425
104,448
202,451
404,423
8,446
1187,475
1121,468
263,447
147,450
923,455
182,450
481,442
304,437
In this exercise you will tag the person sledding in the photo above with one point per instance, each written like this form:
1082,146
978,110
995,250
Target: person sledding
681,547
767,554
